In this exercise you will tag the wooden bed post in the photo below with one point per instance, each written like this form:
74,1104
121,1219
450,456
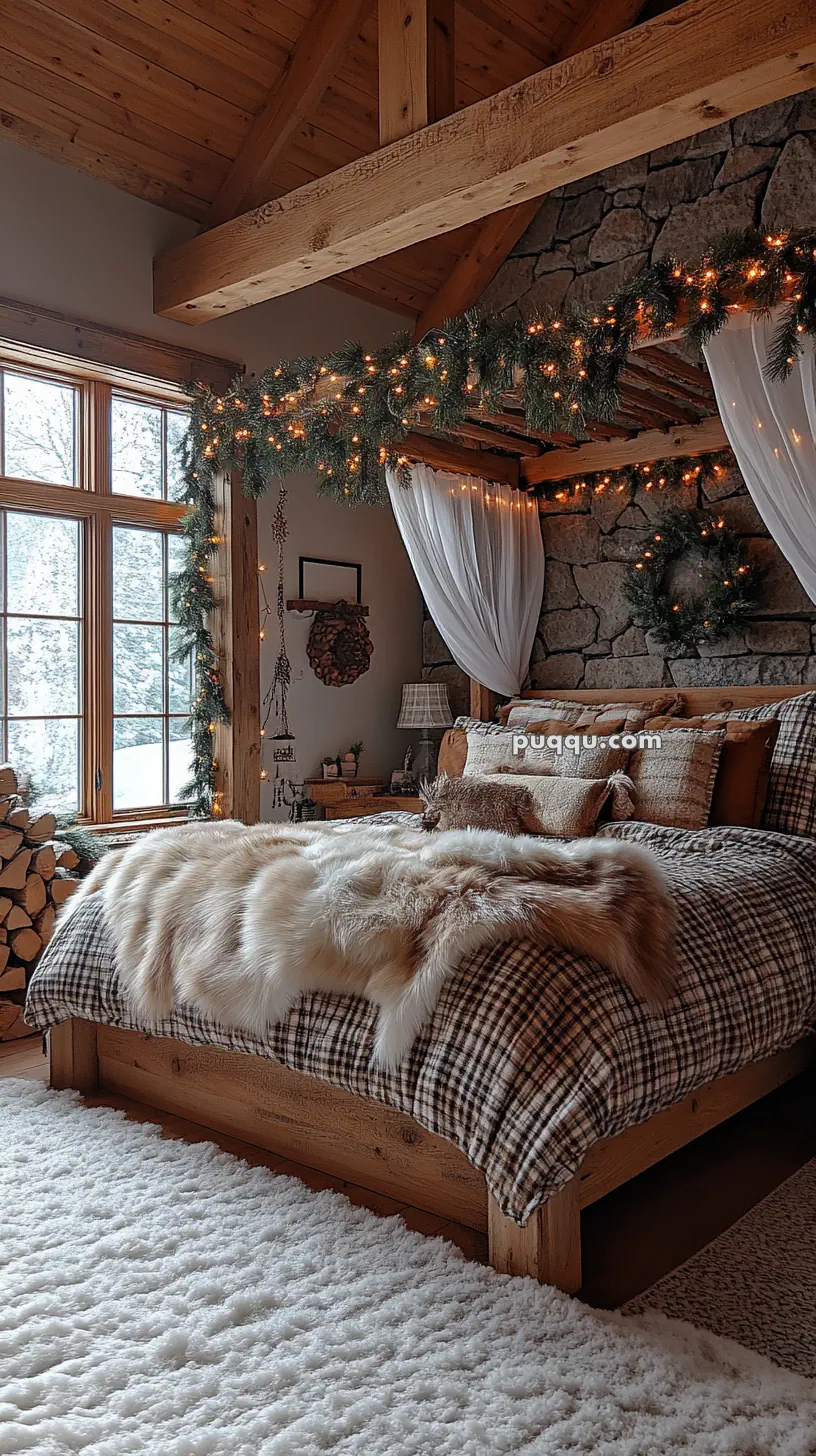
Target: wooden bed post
73,1056
482,701
547,1248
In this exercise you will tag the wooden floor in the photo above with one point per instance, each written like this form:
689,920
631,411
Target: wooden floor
630,1238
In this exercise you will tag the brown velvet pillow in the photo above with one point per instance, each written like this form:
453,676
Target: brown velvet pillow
741,785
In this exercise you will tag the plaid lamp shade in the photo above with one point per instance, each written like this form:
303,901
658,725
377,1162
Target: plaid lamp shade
425,705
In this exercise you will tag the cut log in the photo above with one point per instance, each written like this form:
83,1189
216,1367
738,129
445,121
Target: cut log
10,841
20,818
41,829
67,857
8,779
45,862
25,944
4,955
5,906
13,978
12,1024
13,876
61,888
3,935
17,919
44,923
32,896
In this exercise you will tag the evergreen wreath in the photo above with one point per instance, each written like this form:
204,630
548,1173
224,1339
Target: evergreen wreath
339,647
731,586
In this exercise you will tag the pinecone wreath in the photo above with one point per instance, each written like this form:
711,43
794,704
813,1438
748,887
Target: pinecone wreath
339,646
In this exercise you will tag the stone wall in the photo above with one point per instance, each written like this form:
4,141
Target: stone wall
586,239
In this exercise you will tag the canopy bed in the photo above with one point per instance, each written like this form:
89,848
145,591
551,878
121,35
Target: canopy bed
540,1083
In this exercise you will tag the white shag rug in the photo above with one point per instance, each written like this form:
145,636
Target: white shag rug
168,1299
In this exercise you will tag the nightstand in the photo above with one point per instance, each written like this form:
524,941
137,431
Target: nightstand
377,804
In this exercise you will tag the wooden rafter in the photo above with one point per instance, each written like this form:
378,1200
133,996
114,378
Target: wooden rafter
610,455
447,455
673,76
416,65
499,234
306,75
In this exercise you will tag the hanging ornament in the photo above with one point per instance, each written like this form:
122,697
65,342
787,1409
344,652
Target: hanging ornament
285,792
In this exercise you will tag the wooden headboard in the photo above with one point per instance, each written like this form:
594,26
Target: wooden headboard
695,699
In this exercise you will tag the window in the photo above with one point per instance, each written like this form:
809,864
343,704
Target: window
93,704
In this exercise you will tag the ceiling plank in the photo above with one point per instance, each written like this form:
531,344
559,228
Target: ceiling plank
310,67
470,276
611,454
417,82
681,73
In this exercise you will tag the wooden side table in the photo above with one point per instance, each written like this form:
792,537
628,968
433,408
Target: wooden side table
377,804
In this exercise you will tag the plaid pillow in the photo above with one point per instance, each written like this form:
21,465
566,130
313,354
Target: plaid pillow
790,807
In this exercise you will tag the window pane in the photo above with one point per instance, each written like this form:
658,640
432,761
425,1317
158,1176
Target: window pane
176,551
181,757
138,588
43,666
138,762
39,430
137,669
179,683
48,754
176,431
136,448
43,565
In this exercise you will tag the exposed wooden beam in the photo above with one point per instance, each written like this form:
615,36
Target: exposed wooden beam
681,73
445,455
476,268
417,81
496,438
610,454
307,73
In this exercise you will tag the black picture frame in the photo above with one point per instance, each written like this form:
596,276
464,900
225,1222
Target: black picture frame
350,566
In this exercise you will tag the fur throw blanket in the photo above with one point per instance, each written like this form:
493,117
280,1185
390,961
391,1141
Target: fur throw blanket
239,922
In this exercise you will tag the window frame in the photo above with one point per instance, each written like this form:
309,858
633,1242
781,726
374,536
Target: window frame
92,502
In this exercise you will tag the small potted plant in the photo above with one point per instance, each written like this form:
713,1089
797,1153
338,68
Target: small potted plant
351,761
331,768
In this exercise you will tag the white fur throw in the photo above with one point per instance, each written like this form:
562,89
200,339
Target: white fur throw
239,922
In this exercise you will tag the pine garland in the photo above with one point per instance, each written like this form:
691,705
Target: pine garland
650,475
344,417
731,585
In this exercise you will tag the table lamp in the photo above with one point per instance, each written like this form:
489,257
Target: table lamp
425,706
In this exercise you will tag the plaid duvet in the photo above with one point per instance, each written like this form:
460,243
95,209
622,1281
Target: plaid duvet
534,1054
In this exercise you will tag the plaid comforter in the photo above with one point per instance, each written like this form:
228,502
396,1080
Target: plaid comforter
534,1054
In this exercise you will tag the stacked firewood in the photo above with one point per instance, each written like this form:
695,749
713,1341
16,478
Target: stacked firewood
35,880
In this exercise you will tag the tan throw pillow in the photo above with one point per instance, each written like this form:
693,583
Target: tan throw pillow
487,752
674,784
566,808
612,717
453,752
742,780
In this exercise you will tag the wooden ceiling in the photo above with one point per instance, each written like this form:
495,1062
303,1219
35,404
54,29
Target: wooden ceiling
159,98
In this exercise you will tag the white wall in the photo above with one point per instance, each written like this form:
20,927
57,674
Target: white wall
68,242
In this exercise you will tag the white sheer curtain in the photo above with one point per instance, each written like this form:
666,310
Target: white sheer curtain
478,556
772,430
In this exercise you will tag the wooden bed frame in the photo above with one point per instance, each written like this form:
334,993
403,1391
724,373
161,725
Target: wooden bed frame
377,1147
